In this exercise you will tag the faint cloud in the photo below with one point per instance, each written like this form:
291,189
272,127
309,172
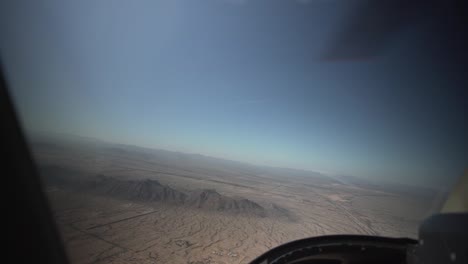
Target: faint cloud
304,1
241,2
236,2
250,101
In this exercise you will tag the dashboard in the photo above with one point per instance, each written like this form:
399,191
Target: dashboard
341,249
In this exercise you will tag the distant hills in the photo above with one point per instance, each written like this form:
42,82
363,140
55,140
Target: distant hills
188,162
197,166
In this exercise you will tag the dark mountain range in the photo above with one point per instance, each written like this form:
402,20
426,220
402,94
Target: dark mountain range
149,190
212,200
137,190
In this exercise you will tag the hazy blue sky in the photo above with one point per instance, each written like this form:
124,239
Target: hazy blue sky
235,79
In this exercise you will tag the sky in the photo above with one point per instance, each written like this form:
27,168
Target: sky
240,80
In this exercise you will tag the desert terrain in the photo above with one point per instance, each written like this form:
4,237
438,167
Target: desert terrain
123,204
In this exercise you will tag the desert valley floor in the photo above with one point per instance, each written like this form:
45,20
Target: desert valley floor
124,204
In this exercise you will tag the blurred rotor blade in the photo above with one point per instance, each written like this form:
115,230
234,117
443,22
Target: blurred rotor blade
370,25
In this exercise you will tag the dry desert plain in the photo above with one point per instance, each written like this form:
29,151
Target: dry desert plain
123,204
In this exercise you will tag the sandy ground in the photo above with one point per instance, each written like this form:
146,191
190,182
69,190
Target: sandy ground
100,229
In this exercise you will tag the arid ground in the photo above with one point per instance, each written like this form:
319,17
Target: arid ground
123,204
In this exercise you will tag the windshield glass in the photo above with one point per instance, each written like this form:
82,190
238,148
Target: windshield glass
180,131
